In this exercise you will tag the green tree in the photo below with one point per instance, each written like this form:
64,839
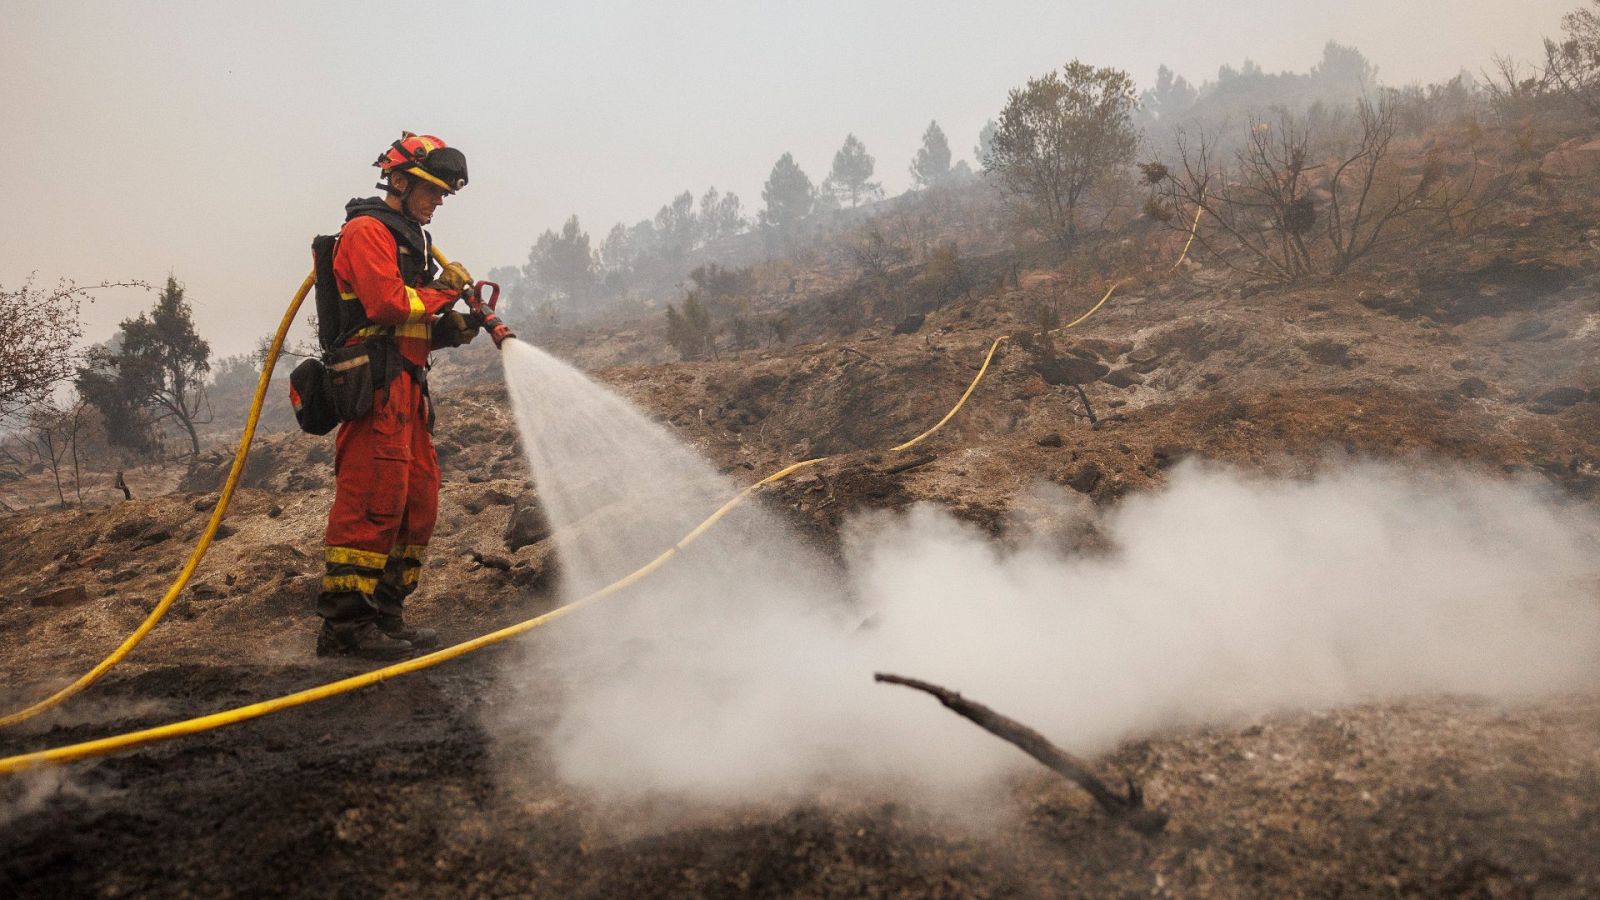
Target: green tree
562,265
690,332
1058,135
851,177
1171,97
155,376
721,215
788,193
985,141
677,229
932,163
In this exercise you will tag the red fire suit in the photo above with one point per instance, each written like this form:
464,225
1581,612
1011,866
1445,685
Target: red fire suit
386,473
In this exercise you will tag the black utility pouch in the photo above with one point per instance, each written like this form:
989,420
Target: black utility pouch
308,392
349,379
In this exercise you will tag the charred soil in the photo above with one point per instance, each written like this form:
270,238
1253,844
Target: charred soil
1485,356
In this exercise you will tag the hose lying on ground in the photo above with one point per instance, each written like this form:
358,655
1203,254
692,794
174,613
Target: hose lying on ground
129,740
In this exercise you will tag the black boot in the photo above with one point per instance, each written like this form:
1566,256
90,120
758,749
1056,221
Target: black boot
350,628
395,626
390,602
363,639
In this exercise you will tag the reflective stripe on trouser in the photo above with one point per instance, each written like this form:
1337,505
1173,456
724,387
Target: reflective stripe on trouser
399,578
386,500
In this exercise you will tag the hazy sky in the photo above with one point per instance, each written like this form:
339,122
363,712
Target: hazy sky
213,139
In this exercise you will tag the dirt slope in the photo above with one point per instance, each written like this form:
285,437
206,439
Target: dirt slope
1484,353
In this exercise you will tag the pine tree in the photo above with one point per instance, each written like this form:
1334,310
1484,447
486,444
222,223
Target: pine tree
788,193
932,164
852,173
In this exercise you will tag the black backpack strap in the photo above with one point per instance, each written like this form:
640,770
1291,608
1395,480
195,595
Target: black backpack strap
330,309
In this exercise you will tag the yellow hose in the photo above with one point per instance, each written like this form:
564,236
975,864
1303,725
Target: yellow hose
103,746
206,537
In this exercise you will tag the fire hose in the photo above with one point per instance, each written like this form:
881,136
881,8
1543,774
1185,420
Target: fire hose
484,311
132,739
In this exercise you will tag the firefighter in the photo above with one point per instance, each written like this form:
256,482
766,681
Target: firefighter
385,470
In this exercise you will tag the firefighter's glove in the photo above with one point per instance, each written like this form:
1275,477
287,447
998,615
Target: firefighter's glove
455,277
453,329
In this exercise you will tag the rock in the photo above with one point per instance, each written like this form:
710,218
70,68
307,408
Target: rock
1053,439
1329,353
127,530
1124,377
1086,479
67,596
1143,355
1165,456
1104,348
274,511
1527,330
492,561
910,324
1562,397
1470,388
152,536
207,591
1070,370
225,531
527,525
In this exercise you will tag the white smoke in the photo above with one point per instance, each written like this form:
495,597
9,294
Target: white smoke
743,670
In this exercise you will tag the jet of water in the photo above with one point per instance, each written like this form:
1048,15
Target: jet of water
742,670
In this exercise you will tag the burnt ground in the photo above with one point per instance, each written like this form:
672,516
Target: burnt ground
1483,354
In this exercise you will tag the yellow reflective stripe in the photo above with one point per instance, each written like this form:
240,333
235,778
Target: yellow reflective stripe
413,551
410,576
417,309
360,583
414,170
350,556
344,296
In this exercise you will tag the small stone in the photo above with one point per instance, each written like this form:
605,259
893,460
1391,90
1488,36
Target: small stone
1562,397
67,596
154,535
1053,439
1124,377
1086,479
275,511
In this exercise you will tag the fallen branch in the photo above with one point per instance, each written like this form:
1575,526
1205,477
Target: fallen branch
1128,809
908,465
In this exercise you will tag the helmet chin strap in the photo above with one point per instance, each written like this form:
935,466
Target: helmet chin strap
405,195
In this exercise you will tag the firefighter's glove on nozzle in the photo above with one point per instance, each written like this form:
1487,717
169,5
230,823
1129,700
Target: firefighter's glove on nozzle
453,329
455,277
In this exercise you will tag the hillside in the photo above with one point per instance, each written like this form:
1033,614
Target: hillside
1483,351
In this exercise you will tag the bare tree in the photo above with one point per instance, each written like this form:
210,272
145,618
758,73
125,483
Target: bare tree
1256,213
1368,195
1573,64
41,351
47,440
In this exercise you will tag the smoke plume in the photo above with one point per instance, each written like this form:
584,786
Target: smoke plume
742,671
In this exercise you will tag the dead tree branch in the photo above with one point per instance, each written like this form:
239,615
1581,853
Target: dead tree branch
1129,809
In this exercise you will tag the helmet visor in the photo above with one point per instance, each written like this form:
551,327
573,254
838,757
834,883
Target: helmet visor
449,165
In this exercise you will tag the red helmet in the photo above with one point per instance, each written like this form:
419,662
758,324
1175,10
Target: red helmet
426,157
